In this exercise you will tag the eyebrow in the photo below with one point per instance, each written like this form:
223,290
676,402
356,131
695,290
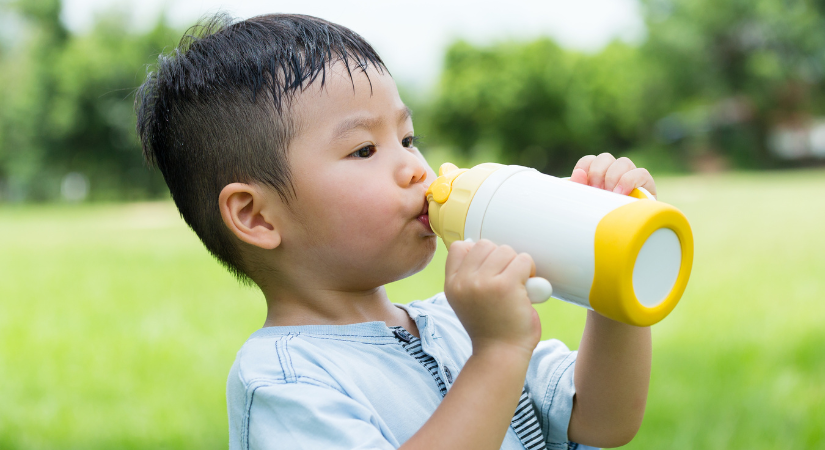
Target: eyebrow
367,123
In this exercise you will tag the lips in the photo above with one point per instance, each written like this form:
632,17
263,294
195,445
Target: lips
424,216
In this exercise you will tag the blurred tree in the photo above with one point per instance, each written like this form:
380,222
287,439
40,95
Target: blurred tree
712,79
538,105
67,105
26,87
739,68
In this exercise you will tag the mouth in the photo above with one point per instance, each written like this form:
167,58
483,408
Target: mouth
424,216
425,209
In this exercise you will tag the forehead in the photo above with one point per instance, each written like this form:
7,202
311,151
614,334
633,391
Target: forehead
348,99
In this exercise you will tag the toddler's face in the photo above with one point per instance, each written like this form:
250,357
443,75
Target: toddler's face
360,182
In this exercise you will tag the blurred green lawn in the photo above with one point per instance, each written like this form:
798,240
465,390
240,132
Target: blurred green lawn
117,329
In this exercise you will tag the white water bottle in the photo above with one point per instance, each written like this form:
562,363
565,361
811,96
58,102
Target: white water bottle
627,257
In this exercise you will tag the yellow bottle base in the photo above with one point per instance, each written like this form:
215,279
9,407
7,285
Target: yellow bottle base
620,236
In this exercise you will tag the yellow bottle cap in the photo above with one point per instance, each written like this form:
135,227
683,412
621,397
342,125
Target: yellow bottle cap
450,195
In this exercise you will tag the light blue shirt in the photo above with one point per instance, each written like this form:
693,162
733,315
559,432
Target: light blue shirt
369,386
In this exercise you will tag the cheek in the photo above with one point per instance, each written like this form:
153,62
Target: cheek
357,215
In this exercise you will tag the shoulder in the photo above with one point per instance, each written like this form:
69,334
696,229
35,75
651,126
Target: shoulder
287,389
262,357
270,359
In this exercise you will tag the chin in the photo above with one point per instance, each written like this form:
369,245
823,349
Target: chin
418,264
432,242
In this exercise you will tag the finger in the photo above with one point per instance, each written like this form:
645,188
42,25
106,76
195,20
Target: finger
637,178
455,256
498,260
598,169
615,172
475,258
522,267
584,163
579,176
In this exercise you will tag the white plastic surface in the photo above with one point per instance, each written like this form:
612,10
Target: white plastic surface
475,215
657,267
551,219
538,289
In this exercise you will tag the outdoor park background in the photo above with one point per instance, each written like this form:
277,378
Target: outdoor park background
117,329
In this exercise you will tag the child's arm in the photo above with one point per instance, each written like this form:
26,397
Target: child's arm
485,287
611,377
613,365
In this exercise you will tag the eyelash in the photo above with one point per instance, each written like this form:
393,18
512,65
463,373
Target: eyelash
407,142
356,154
413,140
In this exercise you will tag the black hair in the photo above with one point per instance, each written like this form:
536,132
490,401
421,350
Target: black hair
217,111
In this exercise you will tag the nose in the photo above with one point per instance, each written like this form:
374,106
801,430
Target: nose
414,169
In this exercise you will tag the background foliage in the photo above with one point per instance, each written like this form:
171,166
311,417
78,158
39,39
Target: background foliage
67,105
703,92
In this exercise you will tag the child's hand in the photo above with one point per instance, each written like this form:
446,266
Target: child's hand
611,174
485,286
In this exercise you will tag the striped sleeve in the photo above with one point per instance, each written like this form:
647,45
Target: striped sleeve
550,386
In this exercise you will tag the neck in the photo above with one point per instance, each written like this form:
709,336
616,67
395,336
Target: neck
332,307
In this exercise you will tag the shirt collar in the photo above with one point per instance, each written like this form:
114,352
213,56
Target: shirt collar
353,331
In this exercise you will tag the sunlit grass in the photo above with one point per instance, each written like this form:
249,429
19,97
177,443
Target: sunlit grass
117,329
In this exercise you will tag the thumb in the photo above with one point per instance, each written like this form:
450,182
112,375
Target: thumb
457,252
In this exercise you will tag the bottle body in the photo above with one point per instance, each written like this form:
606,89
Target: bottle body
628,258
551,219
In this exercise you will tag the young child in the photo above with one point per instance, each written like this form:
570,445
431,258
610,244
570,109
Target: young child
288,150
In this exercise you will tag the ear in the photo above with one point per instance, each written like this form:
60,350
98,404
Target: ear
251,214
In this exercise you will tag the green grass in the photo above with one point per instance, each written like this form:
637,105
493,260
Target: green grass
117,329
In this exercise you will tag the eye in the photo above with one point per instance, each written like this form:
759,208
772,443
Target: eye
364,152
409,141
